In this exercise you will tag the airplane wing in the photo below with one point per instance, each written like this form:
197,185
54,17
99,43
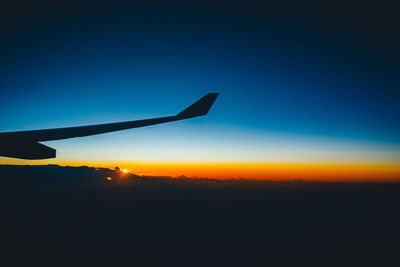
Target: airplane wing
25,144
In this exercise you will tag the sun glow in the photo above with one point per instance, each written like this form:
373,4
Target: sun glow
124,171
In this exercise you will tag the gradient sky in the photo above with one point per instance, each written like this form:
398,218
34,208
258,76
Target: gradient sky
300,84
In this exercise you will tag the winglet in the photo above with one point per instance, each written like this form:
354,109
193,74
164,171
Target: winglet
199,108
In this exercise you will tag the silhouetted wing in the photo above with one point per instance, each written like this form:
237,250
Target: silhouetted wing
199,108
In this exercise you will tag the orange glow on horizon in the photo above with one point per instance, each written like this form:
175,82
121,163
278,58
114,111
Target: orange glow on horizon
256,171
273,171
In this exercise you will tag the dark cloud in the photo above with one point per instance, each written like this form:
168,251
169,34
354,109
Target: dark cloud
71,214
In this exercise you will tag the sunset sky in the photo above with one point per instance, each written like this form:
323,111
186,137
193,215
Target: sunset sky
304,93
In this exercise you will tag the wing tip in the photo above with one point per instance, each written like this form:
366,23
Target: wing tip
200,107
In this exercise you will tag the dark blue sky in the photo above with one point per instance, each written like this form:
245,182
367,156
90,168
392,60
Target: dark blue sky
293,70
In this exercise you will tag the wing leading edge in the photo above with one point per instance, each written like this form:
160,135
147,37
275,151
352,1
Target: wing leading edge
25,144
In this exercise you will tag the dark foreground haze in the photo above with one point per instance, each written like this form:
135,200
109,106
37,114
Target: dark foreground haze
75,215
